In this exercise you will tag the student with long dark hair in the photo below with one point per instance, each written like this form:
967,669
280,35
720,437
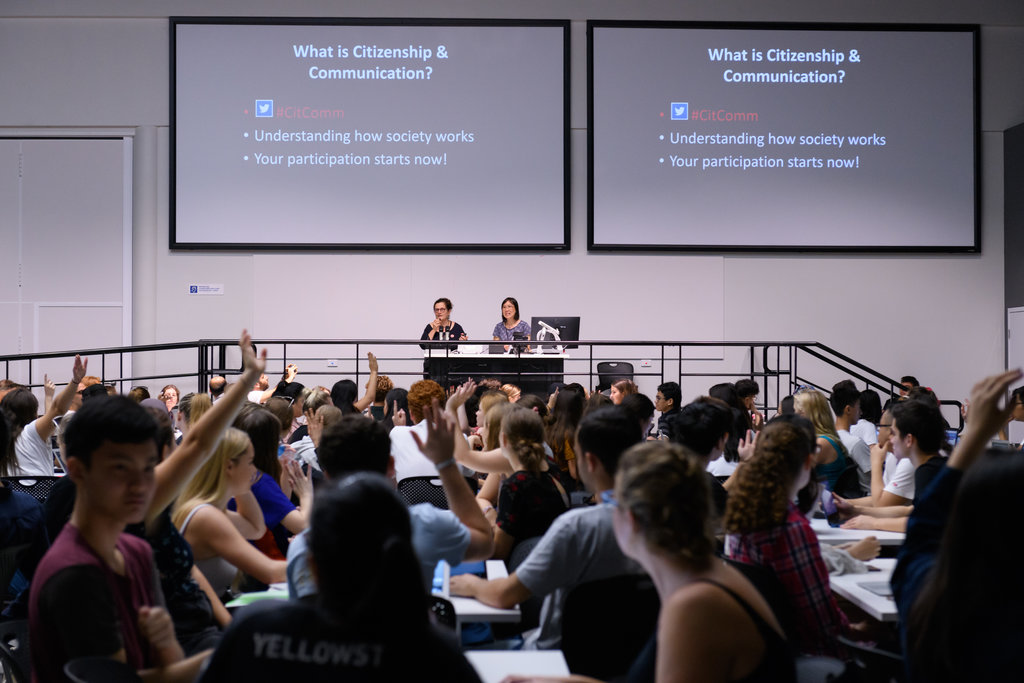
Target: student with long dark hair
957,583
560,434
369,621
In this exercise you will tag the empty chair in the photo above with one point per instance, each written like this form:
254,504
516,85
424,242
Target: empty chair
609,372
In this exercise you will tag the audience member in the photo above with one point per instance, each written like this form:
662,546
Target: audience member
830,457
531,497
747,390
907,382
578,547
956,587
767,529
512,391
621,389
370,619
94,592
866,428
31,436
668,401
396,406
343,393
354,444
642,409
892,478
22,522
138,394
409,459
275,482
217,385
703,427
661,521
845,403
918,432
561,429
218,535
379,406
169,395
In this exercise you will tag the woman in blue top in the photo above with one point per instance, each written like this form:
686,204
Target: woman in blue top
510,324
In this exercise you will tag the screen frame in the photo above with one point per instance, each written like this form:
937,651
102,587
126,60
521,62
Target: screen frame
972,29
342,247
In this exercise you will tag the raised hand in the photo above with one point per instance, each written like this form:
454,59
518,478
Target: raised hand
441,433
249,358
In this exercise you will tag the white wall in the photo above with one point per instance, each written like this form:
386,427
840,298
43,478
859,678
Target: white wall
938,317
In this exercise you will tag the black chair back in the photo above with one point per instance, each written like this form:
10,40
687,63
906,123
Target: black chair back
428,489
875,665
848,483
14,652
100,670
10,559
37,487
609,372
606,623
773,592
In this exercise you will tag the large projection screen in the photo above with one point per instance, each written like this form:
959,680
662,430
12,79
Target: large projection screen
725,137
369,135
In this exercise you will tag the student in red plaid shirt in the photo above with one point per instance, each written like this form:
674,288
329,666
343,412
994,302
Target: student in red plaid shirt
765,527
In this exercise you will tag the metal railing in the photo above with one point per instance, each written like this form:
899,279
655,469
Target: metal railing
779,366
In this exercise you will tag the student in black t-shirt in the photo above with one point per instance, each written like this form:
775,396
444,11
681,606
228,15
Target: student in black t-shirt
370,618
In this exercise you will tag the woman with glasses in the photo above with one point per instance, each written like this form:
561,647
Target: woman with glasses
442,328
511,327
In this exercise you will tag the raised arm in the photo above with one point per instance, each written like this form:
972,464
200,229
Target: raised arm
443,440
457,404
217,535
60,405
984,419
201,440
371,386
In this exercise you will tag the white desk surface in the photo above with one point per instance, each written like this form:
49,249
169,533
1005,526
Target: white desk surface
879,607
835,536
494,665
471,609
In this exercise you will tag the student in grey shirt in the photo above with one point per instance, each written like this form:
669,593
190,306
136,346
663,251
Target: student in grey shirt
579,546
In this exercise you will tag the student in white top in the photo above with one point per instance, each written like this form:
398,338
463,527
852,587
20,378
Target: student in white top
892,478
866,428
32,434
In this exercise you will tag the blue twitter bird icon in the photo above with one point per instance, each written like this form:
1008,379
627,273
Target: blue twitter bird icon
264,108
